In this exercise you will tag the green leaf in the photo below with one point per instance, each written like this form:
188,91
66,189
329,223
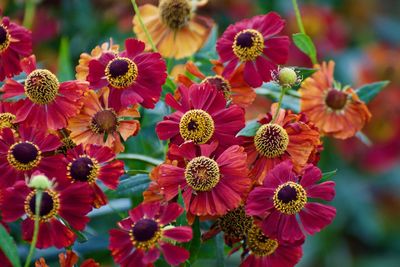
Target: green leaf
328,175
65,72
304,72
290,100
182,218
9,247
306,45
143,158
133,185
250,129
368,92
194,245
219,243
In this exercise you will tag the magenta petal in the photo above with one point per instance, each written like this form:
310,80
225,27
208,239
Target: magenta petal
251,76
291,231
270,225
174,255
259,202
151,256
316,216
179,233
170,213
325,191
311,175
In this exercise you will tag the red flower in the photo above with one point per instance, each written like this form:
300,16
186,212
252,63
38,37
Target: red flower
284,195
211,185
27,151
145,232
266,252
70,203
15,43
86,165
69,259
253,42
132,75
48,103
201,116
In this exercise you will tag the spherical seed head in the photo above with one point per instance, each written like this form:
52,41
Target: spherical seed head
41,86
336,99
271,140
202,173
196,125
287,77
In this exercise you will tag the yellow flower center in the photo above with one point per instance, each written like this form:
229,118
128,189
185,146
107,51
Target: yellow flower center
41,86
289,198
121,72
175,13
4,38
6,120
236,223
259,244
202,173
105,121
84,169
24,156
196,125
221,84
336,99
248,45
49,205
271,140
67,144
145,234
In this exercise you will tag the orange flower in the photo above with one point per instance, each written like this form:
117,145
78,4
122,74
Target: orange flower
233,87
82,70
336,112
175,29
101,124
69,259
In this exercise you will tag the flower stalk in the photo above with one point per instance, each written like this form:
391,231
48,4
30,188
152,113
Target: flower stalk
137,12
38,201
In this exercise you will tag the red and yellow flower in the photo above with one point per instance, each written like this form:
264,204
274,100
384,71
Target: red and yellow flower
336,112
99,122
133,76
146,232
254,43
48,104
285,195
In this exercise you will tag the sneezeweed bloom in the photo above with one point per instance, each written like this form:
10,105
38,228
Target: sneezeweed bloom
254,43
48,103
146,232
202,117
133,76
285,195
101,123
68,259
70,203
176,30
26,151
269,252
337,112
234,88
91,163
290,136
211,185
82,70
15,43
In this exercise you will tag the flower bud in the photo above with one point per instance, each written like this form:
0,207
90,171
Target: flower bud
287,77
40,181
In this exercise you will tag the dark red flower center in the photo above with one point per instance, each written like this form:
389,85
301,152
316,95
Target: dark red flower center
46,205
24,155
221,84
336,99
202,173
248,44
290,198
49,205
144,230
175,13
271,140
4,38
105,121
83,169
121,72
41,86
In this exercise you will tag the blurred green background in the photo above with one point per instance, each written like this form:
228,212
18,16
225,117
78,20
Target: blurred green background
362,36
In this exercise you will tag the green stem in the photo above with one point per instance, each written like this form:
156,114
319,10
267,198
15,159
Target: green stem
283,90
30,8
136,8
142,158
38,201
298,16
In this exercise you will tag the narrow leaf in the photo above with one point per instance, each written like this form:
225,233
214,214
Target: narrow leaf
250,129
368,92
9,247
133,185
141,158
194,245
306,45
328,175
219,243
65,72
304,72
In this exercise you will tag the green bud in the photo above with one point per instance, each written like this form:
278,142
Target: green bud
40,182
287,77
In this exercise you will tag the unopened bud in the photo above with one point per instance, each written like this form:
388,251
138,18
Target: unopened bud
40,181
287,77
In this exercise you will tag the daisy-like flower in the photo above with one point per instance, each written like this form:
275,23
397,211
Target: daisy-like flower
68,259
134,77
145,232
176,30
290,136
336,112
92,163
234,88
26,151
285,195
269,252
82,70
202,117
48,103
254,43
210,185
101,123
15,43
70,203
